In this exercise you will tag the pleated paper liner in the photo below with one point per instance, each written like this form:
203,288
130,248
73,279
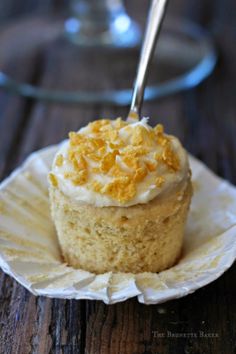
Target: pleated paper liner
29,250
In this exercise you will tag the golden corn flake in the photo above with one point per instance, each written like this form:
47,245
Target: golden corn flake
162,140
135,150
94,156
157,156
59,160
97,155
108,161
140,174
96,186
141,136
151,166
80,178
98,143
81,162
95,170
131,160
121,189
98,124
159,129
119,143
76,138
170,158
53,180
159,181
77,178
117,171
111,135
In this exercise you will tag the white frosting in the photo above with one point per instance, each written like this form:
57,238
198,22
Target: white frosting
146,189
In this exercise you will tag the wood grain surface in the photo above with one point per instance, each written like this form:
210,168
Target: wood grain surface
205,120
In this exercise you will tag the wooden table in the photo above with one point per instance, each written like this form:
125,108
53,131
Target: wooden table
205,120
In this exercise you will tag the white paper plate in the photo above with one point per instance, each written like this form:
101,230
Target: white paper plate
29,250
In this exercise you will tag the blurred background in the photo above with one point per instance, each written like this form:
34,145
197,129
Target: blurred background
78,59
81,38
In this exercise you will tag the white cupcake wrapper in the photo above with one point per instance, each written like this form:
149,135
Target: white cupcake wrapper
29,249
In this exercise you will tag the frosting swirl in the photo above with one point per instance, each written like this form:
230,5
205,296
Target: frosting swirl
118,163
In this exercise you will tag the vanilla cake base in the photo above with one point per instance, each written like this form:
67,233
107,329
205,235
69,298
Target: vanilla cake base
140,238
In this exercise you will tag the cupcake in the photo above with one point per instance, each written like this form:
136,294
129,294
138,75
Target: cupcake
120,193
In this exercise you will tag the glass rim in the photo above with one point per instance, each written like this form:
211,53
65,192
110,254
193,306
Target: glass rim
122,97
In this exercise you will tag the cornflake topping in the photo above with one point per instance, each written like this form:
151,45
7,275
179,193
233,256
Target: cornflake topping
122,154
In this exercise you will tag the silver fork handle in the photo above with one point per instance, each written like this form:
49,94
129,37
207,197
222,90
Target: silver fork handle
155,18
